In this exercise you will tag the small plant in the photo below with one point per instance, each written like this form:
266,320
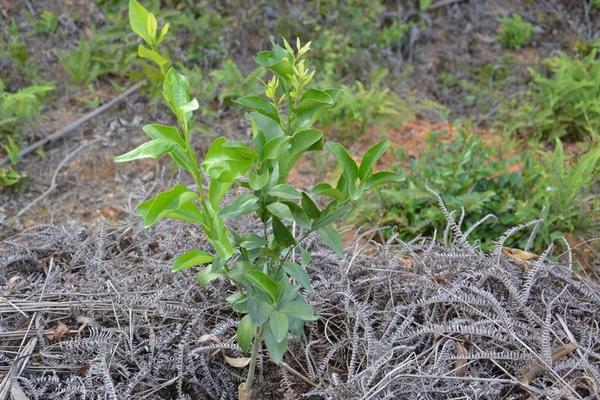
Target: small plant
97,56
17,109
481,180
515,32
565,104
261,266
393,34
47,23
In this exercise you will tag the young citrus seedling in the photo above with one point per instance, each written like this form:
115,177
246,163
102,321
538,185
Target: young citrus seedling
261,266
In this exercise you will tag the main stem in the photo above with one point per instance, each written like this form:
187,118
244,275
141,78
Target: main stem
245,389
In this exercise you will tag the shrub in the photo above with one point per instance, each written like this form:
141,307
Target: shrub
475,180
565,104
261,266
514,31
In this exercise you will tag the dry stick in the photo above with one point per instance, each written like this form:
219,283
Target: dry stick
444,3
74,125
55,176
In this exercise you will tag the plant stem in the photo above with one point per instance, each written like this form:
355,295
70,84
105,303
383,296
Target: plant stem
245,389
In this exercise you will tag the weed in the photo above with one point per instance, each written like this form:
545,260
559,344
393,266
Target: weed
565,104
475,180
17,109
515,32
99,55
392,35
10,177
47,23
261,266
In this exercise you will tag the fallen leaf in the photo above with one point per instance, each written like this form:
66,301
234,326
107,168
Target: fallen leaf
533,369
237,362
520,257
518,254
60,331
461,363
208,337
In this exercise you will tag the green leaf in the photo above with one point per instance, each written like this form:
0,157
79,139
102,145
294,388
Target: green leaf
298,273
176,91
370,158
191,259
309,207
250,241
164,132
296,326
280,210
300,310
216,232
152,149
382,177
245,332
331,214
258,181
345,160
207,275
138,20
325,189
278,60
259,310
227,161
177,152
284,192
268,126
165,203
163,33
424,5
312,101
273,147
263,282
332,239
282,234
306,257
152,55
302,141
260,105
276,349
278,324
216,191
299,215
239,302
244,204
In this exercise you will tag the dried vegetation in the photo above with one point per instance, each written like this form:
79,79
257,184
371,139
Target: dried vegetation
98,314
